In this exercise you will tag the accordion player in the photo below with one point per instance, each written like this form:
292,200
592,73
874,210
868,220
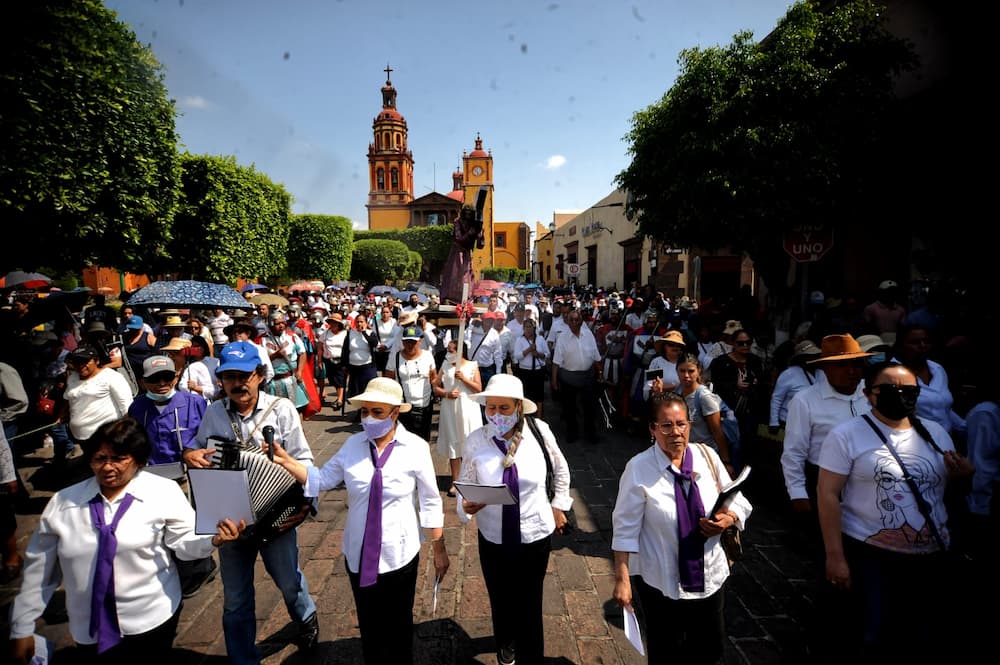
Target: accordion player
275,495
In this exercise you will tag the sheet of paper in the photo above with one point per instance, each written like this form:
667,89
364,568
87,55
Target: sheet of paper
219,494
434,602
631,623
488,494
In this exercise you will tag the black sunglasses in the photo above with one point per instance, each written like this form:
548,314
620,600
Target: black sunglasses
906,391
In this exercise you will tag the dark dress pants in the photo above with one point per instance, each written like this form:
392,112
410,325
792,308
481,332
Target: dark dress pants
682,631
514,581
578,402
385,614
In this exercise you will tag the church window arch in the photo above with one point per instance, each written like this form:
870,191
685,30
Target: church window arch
394,175
380,178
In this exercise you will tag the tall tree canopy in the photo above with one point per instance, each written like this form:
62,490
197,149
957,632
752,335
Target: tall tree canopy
88,154
320,247
232,222
755,138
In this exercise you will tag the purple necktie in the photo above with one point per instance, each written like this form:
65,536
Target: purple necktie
103,611
510,523
371,546
691,550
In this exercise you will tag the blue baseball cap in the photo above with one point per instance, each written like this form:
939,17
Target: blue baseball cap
239,357
134,323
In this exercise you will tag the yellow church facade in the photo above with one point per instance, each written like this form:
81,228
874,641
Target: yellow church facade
391,202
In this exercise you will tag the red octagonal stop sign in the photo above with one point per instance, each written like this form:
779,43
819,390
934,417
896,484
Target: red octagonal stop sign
808,242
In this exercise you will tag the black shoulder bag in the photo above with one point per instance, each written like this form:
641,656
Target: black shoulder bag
550,481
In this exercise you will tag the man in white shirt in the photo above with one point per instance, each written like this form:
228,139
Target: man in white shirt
485,346
217,324
414,305
247,410
531,310
836,397
576,363
516,325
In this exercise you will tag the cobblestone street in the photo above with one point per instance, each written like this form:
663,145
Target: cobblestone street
769,597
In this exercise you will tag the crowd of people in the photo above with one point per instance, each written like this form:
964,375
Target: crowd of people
144,394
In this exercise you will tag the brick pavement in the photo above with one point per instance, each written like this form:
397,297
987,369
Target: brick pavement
769,599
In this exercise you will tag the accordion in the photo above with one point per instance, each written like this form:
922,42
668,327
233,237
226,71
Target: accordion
275,495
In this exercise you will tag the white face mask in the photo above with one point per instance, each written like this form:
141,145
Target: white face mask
500,424
451,357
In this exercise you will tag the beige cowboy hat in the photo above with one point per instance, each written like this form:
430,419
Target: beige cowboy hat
670,337
840,347
383,391
806,349
174,322
731,327
872,343
505,385
407,318
177,344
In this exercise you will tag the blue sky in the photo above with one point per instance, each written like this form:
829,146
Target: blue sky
292,87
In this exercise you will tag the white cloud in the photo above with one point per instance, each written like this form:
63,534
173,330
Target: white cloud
554,162
194,102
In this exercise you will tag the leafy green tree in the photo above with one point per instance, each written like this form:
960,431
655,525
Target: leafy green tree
379,261
319,247
413,267
232,222
432,243
88,150
756,138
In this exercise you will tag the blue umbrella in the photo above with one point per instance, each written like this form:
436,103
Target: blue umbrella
405,295
187,293
384,290
255,287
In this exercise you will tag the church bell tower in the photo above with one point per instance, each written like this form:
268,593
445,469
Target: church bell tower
390,165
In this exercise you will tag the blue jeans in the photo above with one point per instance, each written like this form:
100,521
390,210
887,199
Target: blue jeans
236,564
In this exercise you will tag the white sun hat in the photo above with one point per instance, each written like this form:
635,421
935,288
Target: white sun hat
506,385
382,391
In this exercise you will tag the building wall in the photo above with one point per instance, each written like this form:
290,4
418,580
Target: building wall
514,253
384,218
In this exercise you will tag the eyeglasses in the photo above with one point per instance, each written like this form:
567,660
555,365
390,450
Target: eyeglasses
742,342
117,461
669,427
164,377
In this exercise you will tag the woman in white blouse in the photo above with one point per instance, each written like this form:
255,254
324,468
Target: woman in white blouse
531,353
150,519
198,375
663,536
391,492
515,540
415,370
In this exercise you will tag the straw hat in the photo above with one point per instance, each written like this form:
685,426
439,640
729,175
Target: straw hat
173,321
177,344
872,342
671,337
840,347
407,318
383,391
731,327
505,385
805,349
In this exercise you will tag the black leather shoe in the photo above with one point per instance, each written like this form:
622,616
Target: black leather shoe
506,656
308,633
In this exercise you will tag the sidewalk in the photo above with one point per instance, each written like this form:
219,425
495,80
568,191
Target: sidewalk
769,598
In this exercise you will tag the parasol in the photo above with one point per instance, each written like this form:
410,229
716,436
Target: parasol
24,280
255,287
58,304
405,295
384,290
268,299
187,293
307,285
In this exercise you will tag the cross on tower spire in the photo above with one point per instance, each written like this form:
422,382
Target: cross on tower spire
388,71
